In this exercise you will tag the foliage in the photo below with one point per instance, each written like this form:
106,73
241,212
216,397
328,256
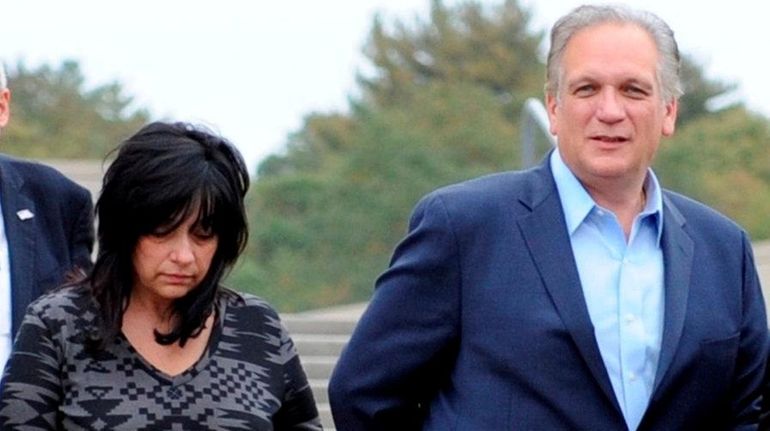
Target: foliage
441,105
320,236
54,115
699,91
489,46
723,160
322,137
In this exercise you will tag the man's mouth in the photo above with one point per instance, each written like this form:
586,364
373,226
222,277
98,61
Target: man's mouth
609,139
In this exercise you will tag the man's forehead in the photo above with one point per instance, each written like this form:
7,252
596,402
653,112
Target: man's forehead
609,33
613,44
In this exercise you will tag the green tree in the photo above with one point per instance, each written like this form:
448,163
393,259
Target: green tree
441,105
54,115
699,91
723,160
322,137
491,46
320,236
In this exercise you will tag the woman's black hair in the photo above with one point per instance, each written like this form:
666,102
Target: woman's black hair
162,175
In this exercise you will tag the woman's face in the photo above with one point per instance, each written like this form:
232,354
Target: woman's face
168,264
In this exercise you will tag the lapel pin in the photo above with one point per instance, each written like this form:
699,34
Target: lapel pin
24,214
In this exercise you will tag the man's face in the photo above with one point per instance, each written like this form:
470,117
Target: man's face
609,115
5,107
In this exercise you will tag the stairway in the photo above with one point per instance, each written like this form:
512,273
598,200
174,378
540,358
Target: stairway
320,336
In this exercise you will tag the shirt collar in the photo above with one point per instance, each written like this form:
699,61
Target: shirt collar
578,204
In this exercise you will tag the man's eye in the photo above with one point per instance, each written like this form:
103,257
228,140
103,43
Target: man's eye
636,91
584,90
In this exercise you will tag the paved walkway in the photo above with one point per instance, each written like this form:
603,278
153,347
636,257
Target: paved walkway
338,312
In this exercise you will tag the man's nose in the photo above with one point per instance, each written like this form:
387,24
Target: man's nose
610,107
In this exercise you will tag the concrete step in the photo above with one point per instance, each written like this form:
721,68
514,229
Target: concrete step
320,337
325,412
318,367
320,389
318,325
320,344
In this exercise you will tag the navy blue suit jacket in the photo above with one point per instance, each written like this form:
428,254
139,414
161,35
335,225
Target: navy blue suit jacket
59,235
480,322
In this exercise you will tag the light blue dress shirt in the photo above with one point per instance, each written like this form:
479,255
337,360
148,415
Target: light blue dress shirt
622,284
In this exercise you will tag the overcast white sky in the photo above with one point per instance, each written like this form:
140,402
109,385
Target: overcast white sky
252,70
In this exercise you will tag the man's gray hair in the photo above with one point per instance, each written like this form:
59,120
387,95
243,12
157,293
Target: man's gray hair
590,15
3,77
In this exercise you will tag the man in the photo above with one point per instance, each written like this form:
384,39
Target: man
577,295
46,231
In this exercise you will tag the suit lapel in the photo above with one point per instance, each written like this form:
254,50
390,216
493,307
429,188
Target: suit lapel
545,234
21,240
677,255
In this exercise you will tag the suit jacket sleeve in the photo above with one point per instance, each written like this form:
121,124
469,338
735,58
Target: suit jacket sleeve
764,421
402,348
82,232
752,356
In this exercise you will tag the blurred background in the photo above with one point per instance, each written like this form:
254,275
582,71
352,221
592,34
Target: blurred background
349,111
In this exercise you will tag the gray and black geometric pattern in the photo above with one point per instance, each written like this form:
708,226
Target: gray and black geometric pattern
250,377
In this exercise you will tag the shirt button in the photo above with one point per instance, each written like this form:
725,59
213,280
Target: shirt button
629,319
632,376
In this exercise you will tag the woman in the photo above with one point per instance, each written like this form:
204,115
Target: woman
150,339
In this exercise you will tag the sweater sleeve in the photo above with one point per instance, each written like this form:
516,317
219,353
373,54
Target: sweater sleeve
298,410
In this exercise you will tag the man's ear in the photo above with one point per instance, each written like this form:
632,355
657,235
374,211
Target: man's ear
550,106
669,119
5,106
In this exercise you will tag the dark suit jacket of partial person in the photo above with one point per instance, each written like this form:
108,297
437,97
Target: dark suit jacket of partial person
480,322
59,236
